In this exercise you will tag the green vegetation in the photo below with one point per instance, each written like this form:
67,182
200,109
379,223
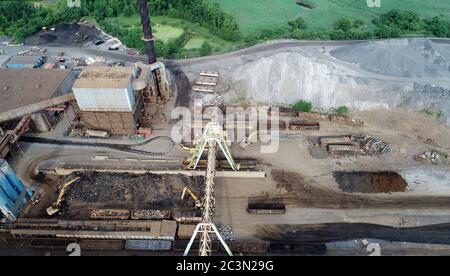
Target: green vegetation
431,112
303,106
175,38
341,111
255,15
242,101
202,27
195,43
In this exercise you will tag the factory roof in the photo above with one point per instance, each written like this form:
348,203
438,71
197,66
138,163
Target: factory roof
31,60
19,88
4,59
104,77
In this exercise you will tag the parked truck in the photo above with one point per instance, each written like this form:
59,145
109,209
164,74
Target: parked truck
96,134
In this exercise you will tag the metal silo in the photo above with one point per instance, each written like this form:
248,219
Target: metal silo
7,188
14,181
6,205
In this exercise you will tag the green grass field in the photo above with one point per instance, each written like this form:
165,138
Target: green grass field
166,28
194,43
253,15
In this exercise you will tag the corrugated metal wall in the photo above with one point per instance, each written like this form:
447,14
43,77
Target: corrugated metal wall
105,99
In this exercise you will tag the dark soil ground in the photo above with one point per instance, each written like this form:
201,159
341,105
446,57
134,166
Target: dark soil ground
324,233
64,35
305,193
370,182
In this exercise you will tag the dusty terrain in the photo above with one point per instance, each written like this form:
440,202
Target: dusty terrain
389,102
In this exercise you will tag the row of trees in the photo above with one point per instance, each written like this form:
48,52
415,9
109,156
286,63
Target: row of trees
203,12
392,24
20,19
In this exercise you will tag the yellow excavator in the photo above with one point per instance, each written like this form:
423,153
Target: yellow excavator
56,206
198,202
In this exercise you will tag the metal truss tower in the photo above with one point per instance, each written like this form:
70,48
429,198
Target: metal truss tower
214,137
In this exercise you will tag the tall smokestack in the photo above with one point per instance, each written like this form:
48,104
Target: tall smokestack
147,27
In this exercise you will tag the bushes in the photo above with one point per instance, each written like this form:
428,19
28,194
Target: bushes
303,106
205,49
341,111
202,12
438,27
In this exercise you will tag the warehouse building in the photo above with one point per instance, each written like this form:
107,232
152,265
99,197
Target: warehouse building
41,93
106,99
21,62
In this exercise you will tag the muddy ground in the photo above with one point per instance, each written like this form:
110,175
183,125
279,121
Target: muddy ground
303,193
324,233
370,182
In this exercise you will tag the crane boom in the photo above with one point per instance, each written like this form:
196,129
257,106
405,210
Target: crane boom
213,137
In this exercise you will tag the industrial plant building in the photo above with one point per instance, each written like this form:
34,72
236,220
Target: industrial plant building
31,98
106,99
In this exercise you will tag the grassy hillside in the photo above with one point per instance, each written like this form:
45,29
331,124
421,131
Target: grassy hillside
253,15
167,28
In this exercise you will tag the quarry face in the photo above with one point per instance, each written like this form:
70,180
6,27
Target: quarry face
362,76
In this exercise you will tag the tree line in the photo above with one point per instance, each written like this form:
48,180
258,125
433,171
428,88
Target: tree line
20,19
393,24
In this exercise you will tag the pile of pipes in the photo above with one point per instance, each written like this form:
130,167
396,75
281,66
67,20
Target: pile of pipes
148,245
372,146
226,232
433,157
344,120
110,214
150,214
248,247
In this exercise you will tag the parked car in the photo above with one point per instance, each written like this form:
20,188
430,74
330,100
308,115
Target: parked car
99,42
41,61
114,47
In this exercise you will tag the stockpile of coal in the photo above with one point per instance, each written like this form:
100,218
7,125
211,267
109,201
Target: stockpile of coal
146,189
66,34
370,182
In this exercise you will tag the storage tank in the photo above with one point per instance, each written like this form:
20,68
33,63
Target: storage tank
40,122
6,205
8,188
13,180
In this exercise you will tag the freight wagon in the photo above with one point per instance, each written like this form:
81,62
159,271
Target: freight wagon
266,208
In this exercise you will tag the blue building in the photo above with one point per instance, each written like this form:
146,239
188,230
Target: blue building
13,194
21,62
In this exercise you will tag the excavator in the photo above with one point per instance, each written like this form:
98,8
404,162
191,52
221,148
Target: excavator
56,206
198,202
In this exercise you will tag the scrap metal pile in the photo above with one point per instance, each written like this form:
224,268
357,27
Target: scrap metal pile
433,157
347,146
371,146
146,190
226,232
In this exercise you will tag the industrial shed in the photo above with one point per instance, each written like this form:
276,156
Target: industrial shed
103,88
106,99
27,87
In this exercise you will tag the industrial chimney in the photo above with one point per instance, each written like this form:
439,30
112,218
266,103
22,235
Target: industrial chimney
147,27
